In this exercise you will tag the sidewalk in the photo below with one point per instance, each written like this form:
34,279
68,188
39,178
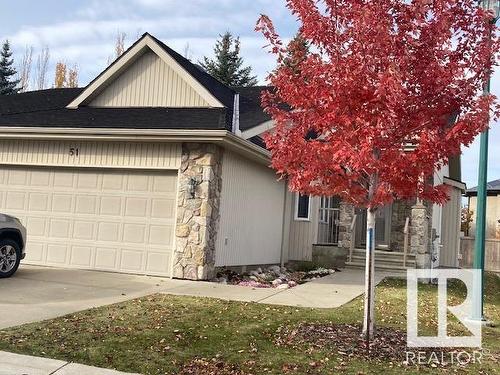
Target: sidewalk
17,364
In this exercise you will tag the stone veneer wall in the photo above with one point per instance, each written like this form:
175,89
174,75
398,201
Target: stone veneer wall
346,215
421,229
198,217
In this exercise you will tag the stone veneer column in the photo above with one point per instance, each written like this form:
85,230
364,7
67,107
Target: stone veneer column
400,211
346,215
198,217
419,240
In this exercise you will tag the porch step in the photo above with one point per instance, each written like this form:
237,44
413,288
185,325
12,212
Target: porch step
410,262
379,267
384,260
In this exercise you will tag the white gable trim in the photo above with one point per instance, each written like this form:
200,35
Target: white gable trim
129,57
457,184
259,129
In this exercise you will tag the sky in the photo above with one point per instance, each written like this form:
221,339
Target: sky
84,33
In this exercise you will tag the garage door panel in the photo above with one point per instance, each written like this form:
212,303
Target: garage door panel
136,207
38,202
137,183
36,253
163,208
63,179
102,219
106,258
16,200
131,260
57,254
108,231
83,230
17,177
164,184
37,226
158,263
87,180
60,228
41,179
62,202
134,233
81,256
112,182
161,234
110,205
86,204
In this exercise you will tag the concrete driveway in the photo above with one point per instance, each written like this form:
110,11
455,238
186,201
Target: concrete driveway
39,293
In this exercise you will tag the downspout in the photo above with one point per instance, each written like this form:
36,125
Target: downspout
283,226
236,115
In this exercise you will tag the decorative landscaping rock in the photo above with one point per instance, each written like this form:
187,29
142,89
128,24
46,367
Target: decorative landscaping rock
277,282
272,277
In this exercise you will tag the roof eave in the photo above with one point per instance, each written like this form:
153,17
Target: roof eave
220,136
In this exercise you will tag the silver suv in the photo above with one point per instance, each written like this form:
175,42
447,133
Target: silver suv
12,243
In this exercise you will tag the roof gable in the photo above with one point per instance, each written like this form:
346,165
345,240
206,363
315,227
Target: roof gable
149,65
149,82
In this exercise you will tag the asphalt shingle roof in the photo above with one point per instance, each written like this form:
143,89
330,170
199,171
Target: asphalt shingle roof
492,186
251,113
48,108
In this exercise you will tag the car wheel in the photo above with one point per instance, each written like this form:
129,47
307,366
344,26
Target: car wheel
10,256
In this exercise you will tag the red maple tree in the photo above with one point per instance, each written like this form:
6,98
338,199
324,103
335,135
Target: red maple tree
386,93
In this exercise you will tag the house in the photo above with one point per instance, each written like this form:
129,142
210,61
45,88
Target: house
492,209
157,168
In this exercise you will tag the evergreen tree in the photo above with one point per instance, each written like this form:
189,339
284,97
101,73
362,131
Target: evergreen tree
297,51
227,65
8,85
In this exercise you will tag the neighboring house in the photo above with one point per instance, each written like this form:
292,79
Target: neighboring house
158,168
492,209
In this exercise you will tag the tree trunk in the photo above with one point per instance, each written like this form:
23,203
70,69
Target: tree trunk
369,314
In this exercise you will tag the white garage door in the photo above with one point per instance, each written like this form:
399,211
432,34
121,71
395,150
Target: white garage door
101,219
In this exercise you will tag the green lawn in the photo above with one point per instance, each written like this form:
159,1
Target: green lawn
164,334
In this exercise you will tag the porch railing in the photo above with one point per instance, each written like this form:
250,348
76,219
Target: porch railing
406,240
328,226
353,236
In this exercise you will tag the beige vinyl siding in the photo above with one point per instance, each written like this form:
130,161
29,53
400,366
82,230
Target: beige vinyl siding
251,214
492,216
302,233
91,154
149,82
450,230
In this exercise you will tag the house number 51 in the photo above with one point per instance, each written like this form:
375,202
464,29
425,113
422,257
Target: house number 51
74,151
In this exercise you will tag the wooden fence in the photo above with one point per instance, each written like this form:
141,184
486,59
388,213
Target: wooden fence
492,257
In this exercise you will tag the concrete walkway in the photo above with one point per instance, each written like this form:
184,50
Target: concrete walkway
17,364
328,292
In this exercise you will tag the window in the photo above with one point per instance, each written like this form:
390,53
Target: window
302,207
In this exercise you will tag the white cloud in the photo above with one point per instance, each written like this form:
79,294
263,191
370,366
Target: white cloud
86,37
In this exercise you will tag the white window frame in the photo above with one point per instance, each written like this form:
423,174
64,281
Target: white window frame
296,213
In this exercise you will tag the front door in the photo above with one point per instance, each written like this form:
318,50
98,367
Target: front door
382,227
